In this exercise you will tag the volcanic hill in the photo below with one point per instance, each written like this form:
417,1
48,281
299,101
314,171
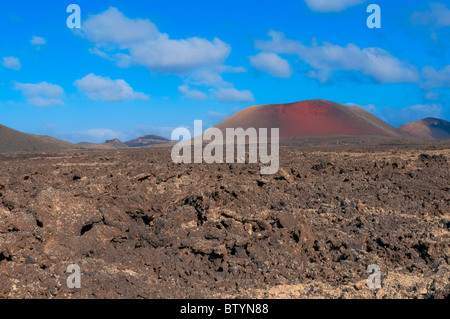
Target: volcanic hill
428,129
311,118
15,141
147,140
108,145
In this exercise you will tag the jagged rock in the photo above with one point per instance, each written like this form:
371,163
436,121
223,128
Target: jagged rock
139,225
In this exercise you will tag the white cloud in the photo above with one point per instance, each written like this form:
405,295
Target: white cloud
211,76
208,77
272,64
100,53
192,94
427,109
179,56
437,16
328,58
11,103
431,95
39,89
230,95
415,113
113,27
369,107
106,89
41,94
138,42
397,117
44,102
147,46
97,135
37,41
217,115
100,135
331,5
12,63
436,79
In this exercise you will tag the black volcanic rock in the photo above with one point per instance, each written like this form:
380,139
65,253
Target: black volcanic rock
140,226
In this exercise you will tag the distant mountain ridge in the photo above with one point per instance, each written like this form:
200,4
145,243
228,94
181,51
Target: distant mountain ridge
299,119
147,140
108,145
143,141
429,129
15,141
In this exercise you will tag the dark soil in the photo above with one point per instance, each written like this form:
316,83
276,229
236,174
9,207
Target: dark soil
140,226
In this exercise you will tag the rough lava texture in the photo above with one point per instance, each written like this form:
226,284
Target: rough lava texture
140,226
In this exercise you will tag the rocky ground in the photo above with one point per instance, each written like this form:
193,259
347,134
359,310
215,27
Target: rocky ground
140,226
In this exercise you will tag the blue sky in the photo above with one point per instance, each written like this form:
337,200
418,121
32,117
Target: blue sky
141,67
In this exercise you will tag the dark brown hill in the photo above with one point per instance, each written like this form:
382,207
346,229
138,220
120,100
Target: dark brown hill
15,141
147,140
428,129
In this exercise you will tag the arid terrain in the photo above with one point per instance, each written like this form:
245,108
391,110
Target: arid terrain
140,226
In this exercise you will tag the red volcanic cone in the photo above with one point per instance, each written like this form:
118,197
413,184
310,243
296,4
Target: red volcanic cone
311,118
